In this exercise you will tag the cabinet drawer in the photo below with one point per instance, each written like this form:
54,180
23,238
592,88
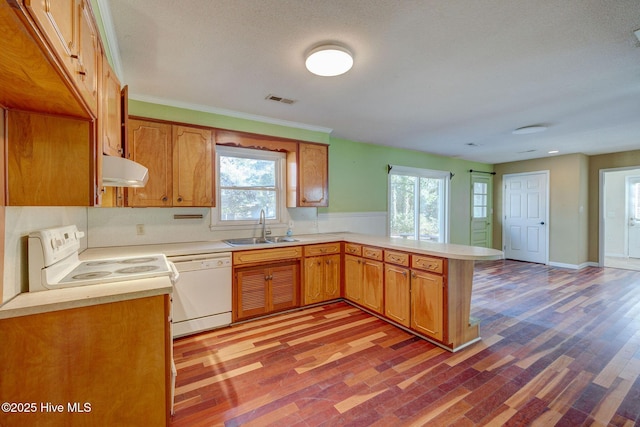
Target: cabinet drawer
372,253
399,258
428,263
322,249
352,249
262,255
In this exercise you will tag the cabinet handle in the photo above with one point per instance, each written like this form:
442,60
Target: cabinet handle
404,273
319,263
328,261
413,275
74,56
304,200
179,199
82,73
165,198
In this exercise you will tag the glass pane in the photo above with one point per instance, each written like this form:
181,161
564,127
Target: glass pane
402,208
241,172
479,212
246,204
430,209
480,187
479,200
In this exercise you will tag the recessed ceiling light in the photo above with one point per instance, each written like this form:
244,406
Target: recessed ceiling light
329,60
529,129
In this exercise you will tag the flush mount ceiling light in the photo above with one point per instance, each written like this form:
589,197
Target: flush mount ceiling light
529,129
329,60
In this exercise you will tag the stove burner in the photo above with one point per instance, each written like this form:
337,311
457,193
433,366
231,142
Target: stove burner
137,269
97,263
91,275
138,260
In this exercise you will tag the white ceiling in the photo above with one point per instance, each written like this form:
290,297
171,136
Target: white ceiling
430,75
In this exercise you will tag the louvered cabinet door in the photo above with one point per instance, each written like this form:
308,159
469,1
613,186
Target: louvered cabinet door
283,286
252,292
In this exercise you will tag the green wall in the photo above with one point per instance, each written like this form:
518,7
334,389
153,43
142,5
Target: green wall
357,170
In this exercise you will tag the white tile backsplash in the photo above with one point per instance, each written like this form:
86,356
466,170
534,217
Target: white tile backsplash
19,222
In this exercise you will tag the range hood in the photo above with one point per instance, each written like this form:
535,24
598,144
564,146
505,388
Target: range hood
121,172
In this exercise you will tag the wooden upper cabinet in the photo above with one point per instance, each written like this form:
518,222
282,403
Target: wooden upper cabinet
150,145
193,154
180,163
70,30
110,112
48,160
313,175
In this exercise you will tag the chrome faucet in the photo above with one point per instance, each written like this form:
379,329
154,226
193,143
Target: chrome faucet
263,221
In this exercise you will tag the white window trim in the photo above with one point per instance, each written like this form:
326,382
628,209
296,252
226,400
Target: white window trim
282,215
424,173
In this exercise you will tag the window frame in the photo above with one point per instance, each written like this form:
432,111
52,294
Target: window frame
282,217
444,205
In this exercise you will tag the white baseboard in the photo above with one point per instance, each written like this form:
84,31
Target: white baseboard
574,266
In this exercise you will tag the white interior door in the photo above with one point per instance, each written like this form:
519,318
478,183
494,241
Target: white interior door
481,210
633,216
525,217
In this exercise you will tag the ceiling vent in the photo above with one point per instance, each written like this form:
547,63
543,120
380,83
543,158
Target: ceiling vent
277,98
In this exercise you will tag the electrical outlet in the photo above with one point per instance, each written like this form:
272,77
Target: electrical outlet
139,229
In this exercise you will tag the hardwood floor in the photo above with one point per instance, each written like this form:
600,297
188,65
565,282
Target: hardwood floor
560,347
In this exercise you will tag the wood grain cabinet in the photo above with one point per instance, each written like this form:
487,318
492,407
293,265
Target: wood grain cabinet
70,30
427,296
48,161
364,278
397,287
308,176
114,356
110,112
265,281
180,163
321,273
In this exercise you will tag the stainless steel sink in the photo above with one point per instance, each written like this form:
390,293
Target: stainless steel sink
259,241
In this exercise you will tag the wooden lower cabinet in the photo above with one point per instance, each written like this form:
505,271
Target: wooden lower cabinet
107,364
266,289
364,282
427,304
353,278
372,285
397,294
321,278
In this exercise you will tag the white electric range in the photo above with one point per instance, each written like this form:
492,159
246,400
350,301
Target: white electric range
54,263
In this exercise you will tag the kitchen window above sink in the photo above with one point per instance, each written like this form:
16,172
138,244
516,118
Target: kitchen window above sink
249,181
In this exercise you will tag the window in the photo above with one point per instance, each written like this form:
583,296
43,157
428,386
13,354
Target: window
418,204
480,199
248,181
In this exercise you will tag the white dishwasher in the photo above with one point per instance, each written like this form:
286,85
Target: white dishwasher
202,294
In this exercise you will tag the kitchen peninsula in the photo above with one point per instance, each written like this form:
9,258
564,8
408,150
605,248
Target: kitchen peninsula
420,286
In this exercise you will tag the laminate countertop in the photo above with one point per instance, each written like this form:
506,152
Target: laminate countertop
28,303
444,250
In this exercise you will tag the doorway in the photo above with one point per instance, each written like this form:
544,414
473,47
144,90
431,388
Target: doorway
525,231
481,209
620,218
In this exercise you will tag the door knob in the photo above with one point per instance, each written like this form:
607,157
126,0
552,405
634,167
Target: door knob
541,222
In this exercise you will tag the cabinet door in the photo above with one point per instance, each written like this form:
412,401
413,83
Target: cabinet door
313,180
192,166
353,278
86,71
110,118
397,298
150,145
372,274
331,277
251,288
58,21
427,304
313,279
283,286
